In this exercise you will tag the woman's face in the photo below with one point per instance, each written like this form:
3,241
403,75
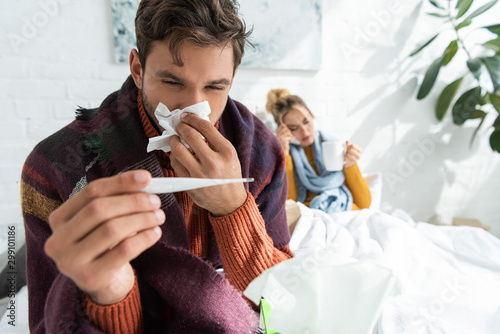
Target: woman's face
300,123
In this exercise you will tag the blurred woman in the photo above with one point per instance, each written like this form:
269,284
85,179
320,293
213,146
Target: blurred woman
308,180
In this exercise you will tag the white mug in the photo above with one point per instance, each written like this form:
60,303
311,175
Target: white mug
333,155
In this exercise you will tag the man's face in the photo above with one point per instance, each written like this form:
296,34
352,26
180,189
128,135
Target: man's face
207,75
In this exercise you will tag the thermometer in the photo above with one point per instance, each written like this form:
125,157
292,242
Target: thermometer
161,185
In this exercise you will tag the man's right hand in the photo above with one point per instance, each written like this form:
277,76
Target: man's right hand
96,234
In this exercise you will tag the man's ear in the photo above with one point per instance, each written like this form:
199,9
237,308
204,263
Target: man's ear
136,68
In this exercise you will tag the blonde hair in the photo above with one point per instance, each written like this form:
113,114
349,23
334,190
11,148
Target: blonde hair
280,102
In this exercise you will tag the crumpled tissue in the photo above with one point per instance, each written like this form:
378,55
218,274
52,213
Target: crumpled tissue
322,292
169,119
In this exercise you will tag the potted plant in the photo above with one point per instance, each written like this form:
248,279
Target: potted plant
484,97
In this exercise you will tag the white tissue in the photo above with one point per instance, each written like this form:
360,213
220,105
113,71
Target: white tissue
322,292
169,119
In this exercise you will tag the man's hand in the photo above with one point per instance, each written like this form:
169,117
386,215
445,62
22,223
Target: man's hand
96,234
217,161
352,154
284,136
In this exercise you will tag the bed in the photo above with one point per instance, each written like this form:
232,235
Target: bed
447,278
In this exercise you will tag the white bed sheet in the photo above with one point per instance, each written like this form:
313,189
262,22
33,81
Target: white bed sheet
448,276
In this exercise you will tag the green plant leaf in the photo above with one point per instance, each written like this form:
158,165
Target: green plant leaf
430,78
450,52
495,101
493,66
478,113
495,141
437,15
496,125
494,28
436,4
493,44
466,105
446,97
422,46
463,24
485,99
475,66
482,116
463,6
481,9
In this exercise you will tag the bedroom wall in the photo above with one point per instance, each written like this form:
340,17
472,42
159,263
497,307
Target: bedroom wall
57,54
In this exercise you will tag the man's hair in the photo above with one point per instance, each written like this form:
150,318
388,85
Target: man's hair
201,22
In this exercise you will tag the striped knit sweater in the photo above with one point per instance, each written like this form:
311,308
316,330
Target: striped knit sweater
179,291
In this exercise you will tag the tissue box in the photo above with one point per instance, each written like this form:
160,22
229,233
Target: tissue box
321,293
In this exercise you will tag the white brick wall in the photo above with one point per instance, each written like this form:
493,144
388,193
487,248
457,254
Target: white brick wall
66,59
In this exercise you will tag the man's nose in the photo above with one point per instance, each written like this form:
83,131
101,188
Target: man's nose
193,96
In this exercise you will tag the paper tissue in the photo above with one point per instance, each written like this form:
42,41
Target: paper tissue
168,120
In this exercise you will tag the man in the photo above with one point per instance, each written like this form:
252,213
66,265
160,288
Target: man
104,256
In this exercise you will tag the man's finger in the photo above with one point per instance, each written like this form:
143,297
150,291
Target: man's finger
181,159
132,181
104,209
127,250
211,134
179,168
113,232
96,213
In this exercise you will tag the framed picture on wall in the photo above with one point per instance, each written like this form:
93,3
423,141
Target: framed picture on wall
286,33
123,12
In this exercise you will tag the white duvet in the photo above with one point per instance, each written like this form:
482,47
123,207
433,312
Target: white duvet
448,276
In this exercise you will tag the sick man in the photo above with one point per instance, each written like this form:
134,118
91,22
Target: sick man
103,256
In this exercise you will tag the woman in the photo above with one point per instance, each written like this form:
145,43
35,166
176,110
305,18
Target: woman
308,180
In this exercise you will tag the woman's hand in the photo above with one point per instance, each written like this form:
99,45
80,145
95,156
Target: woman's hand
352,154
285,137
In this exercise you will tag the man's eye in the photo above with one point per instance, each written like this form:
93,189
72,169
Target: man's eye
171,83
306,122
292,129
216,88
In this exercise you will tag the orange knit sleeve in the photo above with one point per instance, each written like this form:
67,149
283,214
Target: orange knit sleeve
292,186
245,247
123,317
361,195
